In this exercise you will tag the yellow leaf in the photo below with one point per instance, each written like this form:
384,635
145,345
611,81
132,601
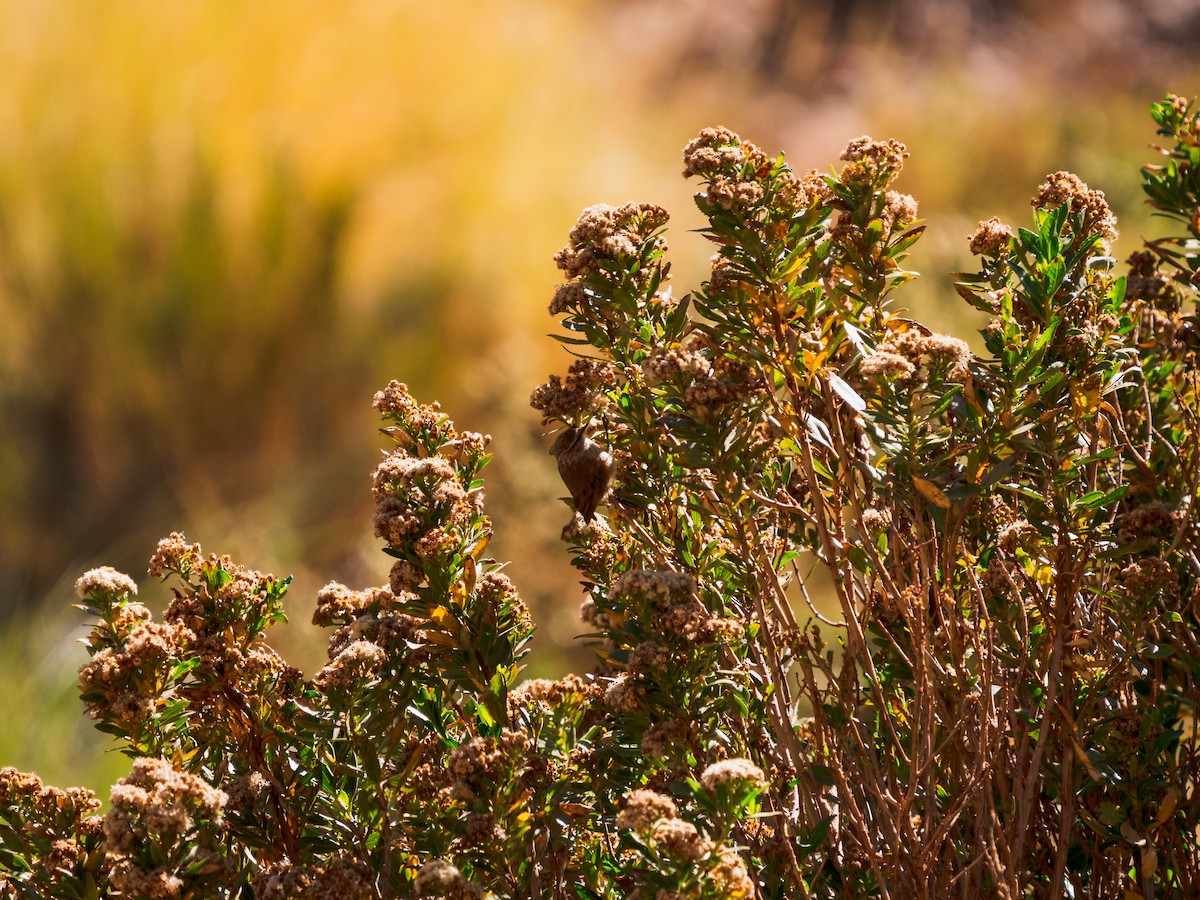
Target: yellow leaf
1085,399
481,546
1167,807
968,391
463,588
1045,576
902,324
441,616
576,809
931,492
520,801
814,361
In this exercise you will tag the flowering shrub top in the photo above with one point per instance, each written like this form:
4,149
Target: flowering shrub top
1000,703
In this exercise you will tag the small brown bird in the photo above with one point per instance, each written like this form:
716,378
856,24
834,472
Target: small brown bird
586,469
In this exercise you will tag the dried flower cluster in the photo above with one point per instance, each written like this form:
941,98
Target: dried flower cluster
607,235
577,397
873,163
1065,187
991,238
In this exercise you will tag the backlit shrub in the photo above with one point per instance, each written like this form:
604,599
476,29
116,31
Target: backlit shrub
998,702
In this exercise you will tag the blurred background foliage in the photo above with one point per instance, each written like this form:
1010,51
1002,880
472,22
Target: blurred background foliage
224,225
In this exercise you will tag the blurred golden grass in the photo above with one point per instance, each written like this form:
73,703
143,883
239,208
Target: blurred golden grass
222,225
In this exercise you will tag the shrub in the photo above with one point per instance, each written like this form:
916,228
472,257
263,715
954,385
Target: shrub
999,702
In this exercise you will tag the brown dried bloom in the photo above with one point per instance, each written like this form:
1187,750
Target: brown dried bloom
791,195
469,445
1156,520
337,605
174,554
255,666
242,792
414,493
706,395
156,884
1018,534
816,187
884,366
156,802
716,628
675,363
873,163
623,695
649,658
578,395
688,619
731,381
1146,282
352,666
496,590
435,543
571,689
899,209
569,297
660,587
25,791
606,232
127,708
341,879
643,808
1065,187
596,540
991,238
876,521
482,761
731,193
391,631
680,840
437,878
662,739
402,474
740,772
397,403
930,353
63,857
283,882
731,876
716,150
482,830
104,580
127,618
1150,576
724,274
1057,189
147,655
404,576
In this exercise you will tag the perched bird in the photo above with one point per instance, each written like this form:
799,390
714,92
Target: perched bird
586,469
